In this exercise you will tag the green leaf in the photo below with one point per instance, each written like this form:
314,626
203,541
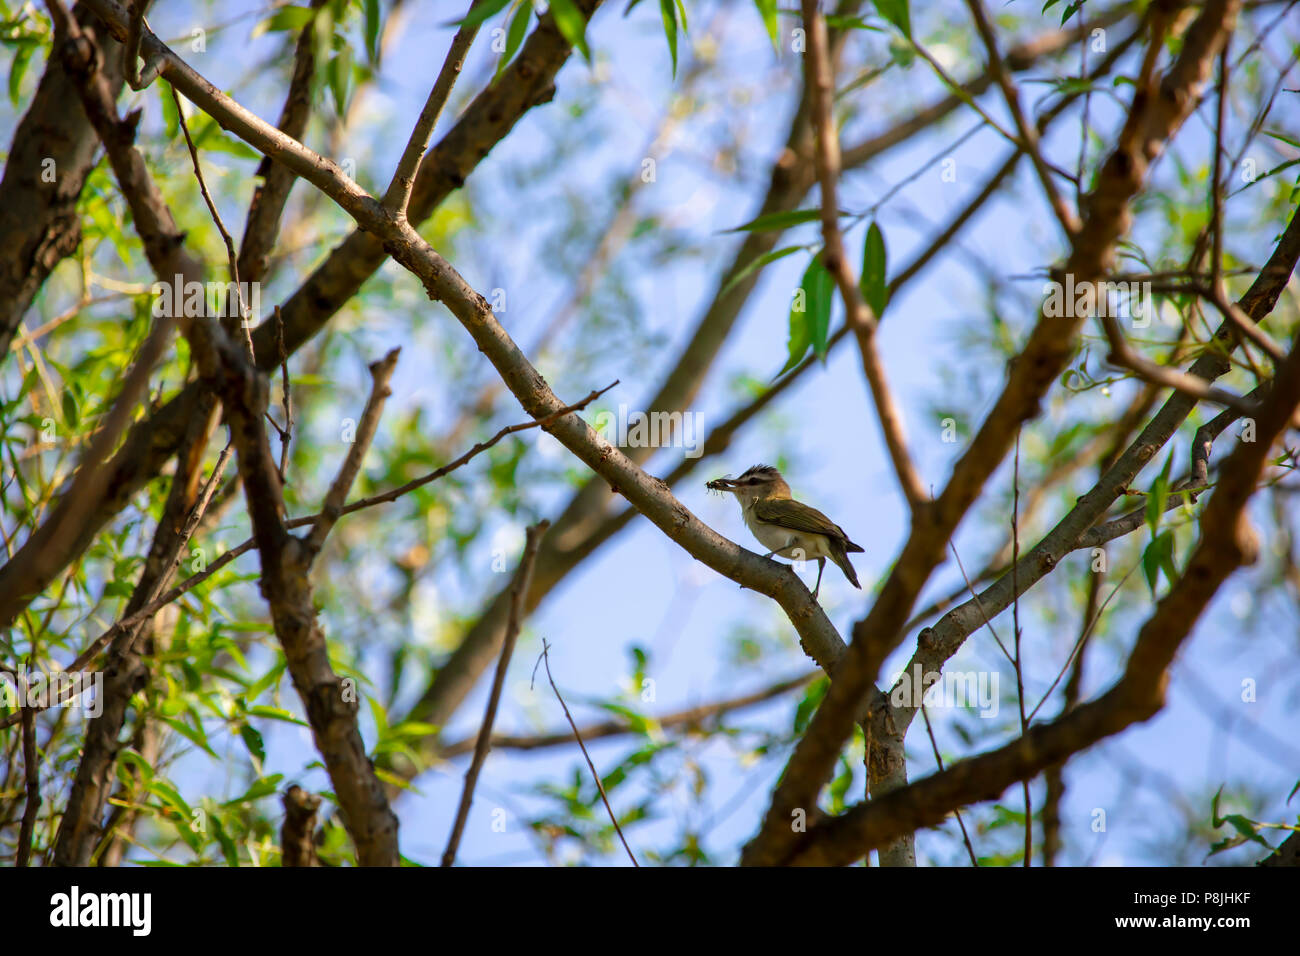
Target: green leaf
196,736
819,312
482,11
810,314
340,75
372,31
777,221
286,20
70,413
253,741
1158,496
1070,10
276,713
515,35
1283,138
639,723
896,12
1157,555
767,10
757,263
874,287
261,788
142,766
22,57
572,25
668,11
228,849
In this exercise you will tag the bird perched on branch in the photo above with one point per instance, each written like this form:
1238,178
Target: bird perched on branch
789,528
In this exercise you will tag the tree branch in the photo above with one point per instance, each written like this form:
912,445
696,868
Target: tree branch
820,84
1151,122
1227,542
1028,134
399,189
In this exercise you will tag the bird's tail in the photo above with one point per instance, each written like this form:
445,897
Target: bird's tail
842,560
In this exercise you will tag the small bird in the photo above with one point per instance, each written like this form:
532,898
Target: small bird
791,529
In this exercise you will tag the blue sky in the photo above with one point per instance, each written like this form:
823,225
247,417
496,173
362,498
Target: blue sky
642,590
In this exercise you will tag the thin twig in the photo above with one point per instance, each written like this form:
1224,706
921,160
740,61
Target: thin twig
286,433
1015,624
332,507
978,603
1084,118
820,85
130,625
518,594
1123,355
399,190
1028,134
691,717
153,607
546,659
1083,639
1216,183
231,255
938,759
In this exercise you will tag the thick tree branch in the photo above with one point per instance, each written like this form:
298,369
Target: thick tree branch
1227,542
286,563
1079,528
38,214
272,193
527,82
1151,123
298,832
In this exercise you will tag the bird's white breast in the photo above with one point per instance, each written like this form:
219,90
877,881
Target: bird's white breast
796,545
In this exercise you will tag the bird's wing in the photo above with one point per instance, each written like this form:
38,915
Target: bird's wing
788,513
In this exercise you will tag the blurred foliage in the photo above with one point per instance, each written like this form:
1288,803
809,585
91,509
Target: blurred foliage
597,273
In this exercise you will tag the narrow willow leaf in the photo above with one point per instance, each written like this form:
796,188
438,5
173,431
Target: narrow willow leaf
372,31
286,19
896,12
668,10
572,25
820,296
809,314
779,220
481,12
767,10
875,289
515,35
1158,496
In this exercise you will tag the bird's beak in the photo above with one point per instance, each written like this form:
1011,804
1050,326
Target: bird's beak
721,484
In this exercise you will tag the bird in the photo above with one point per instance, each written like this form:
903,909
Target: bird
791,529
